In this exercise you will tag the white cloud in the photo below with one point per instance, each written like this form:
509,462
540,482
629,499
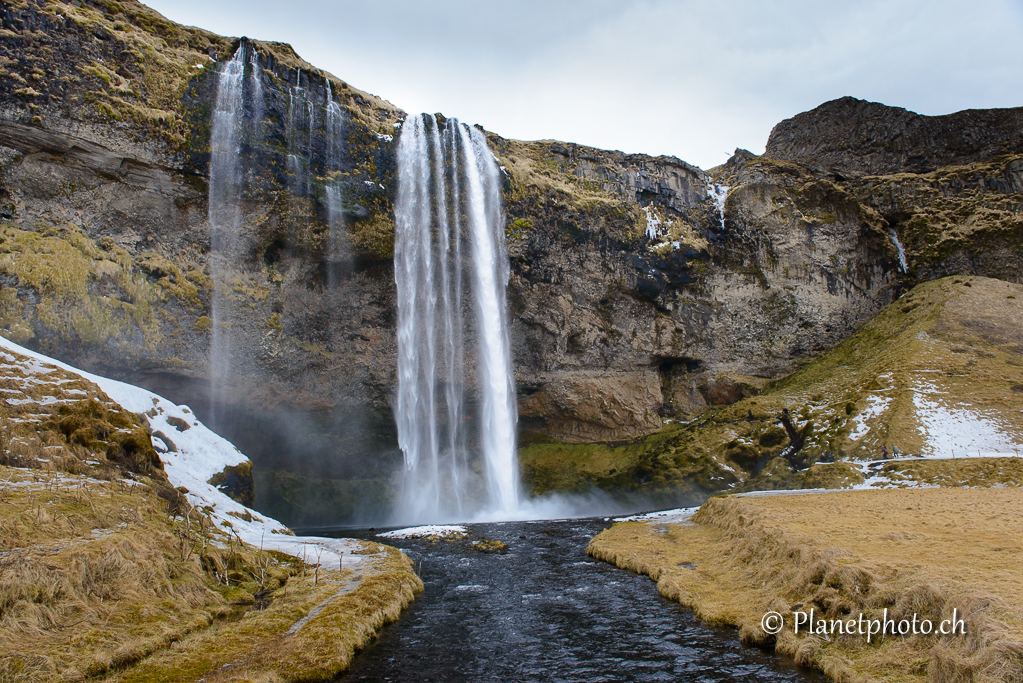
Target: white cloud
692,79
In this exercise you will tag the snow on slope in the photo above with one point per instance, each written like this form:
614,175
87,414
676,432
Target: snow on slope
958,431
200,454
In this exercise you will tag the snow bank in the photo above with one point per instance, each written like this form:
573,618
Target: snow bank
447,530
667,516
958,431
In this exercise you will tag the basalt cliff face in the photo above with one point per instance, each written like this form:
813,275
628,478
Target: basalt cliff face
851,137
641,289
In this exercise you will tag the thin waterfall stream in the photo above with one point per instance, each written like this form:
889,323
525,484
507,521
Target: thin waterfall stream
898,246
225,190
338,257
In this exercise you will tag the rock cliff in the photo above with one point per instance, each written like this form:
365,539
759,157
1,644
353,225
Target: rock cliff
854,137
642,288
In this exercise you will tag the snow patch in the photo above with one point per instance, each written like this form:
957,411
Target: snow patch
446,530
44,401
667,516
875,406
958,431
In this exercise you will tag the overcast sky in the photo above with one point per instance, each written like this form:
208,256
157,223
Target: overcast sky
691,79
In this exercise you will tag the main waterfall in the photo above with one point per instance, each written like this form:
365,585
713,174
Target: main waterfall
449,255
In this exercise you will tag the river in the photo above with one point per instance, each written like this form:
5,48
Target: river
544,611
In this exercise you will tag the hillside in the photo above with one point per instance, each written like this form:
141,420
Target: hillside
939,373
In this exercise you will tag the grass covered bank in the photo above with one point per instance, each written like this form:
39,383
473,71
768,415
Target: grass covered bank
110,570
99,582
928,552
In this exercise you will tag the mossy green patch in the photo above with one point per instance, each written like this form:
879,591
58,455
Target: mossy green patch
184,286
654,466
953,342
373,239
67,269
553,467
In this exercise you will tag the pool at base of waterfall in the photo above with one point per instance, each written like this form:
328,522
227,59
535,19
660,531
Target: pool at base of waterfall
539,609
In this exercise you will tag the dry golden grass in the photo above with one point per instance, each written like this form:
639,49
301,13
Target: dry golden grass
908,551
97,581
92,576
103,576
259,647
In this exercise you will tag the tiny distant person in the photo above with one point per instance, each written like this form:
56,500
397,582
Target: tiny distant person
895,451
884,452
749,415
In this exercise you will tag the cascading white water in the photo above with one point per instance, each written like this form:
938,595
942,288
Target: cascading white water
299,132
448,183
333,125
719,193
497,384
256,83
337,251
898,245
224,208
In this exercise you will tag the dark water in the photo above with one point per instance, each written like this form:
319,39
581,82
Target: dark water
544,611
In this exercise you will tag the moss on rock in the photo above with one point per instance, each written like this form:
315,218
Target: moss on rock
951,337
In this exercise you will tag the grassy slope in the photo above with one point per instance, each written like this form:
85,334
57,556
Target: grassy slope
102,576
955,340
924,551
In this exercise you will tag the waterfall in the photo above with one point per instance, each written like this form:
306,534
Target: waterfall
898,245
719,193
492,270
449,203
337,251
299,132
224,210
333,123
256,81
